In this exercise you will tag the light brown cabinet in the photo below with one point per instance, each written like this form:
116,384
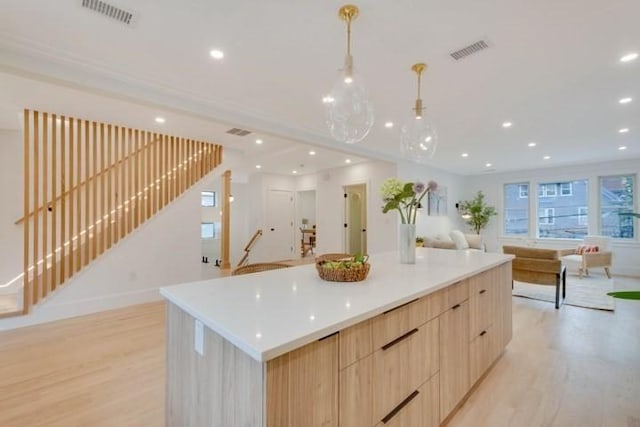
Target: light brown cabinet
410,366
454,357
302,386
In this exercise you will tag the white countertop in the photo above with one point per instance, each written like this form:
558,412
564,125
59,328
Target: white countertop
273,312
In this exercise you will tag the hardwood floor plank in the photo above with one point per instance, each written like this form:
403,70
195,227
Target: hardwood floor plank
568,367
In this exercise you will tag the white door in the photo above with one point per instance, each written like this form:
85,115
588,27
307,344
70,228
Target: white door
355,212
279,233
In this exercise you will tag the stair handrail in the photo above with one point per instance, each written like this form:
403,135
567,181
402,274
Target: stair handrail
249,246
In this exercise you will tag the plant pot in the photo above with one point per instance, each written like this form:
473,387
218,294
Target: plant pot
407,243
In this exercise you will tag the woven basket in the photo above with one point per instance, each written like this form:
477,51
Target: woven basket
353,274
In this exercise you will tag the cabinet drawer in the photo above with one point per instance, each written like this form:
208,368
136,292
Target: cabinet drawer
418,409
481,353
400,367
398,321
356,399
456,294
481,308
481,281
355,343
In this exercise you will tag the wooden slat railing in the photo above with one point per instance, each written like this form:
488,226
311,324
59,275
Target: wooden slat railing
88,184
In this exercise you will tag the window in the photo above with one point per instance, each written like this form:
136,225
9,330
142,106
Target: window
563,217
547,216
516,209
210,230
208,199
565,189
616,202
523,190
547,190
582,215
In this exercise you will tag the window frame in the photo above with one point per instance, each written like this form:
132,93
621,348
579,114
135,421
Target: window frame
551,219
214,197
570,184
634,205
527,210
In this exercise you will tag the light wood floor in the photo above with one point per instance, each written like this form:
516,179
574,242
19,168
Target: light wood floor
565,368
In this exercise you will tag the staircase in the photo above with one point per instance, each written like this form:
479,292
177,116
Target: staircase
88,185
250,245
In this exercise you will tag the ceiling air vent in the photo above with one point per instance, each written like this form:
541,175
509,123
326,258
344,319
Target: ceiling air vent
469,50
239,132
110,11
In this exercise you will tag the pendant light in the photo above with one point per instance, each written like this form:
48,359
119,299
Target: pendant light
418,137
349,112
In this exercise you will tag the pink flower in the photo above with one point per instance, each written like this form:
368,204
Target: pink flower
432,186
418,188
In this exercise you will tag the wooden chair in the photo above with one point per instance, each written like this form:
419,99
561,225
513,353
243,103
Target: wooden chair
259,266
539,266
602,258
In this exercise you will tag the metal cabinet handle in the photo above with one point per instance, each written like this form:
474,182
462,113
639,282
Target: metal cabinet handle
455,306
482,333
398,408
483,291
400,338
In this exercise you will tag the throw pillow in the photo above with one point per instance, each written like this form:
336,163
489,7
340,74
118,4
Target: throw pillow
439,244
586,249
474,241
459,239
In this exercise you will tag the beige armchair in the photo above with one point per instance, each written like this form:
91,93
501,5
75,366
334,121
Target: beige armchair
539,266
583,262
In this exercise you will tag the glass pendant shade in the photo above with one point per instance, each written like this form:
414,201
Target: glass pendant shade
349,109
418,139
418,136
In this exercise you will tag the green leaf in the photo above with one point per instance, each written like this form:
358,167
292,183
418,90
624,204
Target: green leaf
632,295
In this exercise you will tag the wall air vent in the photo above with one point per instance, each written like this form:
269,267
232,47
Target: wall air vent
239,132
119,14
469,50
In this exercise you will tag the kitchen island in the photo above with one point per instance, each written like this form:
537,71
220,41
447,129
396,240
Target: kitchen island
285,348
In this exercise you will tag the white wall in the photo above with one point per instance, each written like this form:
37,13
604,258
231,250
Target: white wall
626,254
432,226
381,228
11,171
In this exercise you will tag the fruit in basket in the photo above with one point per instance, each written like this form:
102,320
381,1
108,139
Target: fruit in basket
357,261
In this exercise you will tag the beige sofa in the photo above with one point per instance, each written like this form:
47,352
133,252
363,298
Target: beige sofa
456,240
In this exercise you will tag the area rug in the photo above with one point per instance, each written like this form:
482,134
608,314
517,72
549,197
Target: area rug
588,292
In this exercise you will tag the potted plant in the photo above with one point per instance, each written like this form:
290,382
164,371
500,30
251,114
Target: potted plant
419,241
476,212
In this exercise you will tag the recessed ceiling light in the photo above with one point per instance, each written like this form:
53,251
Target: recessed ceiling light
216,54
629,57
531,144
625,100
259,141
465,154
258,166
312,153
622,147
488,165
623,130
160,120
348,161
507,124
294,172
546,157
388,125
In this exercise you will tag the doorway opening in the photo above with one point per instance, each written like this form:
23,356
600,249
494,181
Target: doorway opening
355,218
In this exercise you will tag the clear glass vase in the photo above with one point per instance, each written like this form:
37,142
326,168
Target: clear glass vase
407,243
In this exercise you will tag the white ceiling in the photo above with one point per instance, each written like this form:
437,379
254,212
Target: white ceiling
552,69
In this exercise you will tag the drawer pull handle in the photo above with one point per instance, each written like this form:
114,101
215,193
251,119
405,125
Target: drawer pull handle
455,306
400,306
398,408
482,333
400,338
328,336
483,291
